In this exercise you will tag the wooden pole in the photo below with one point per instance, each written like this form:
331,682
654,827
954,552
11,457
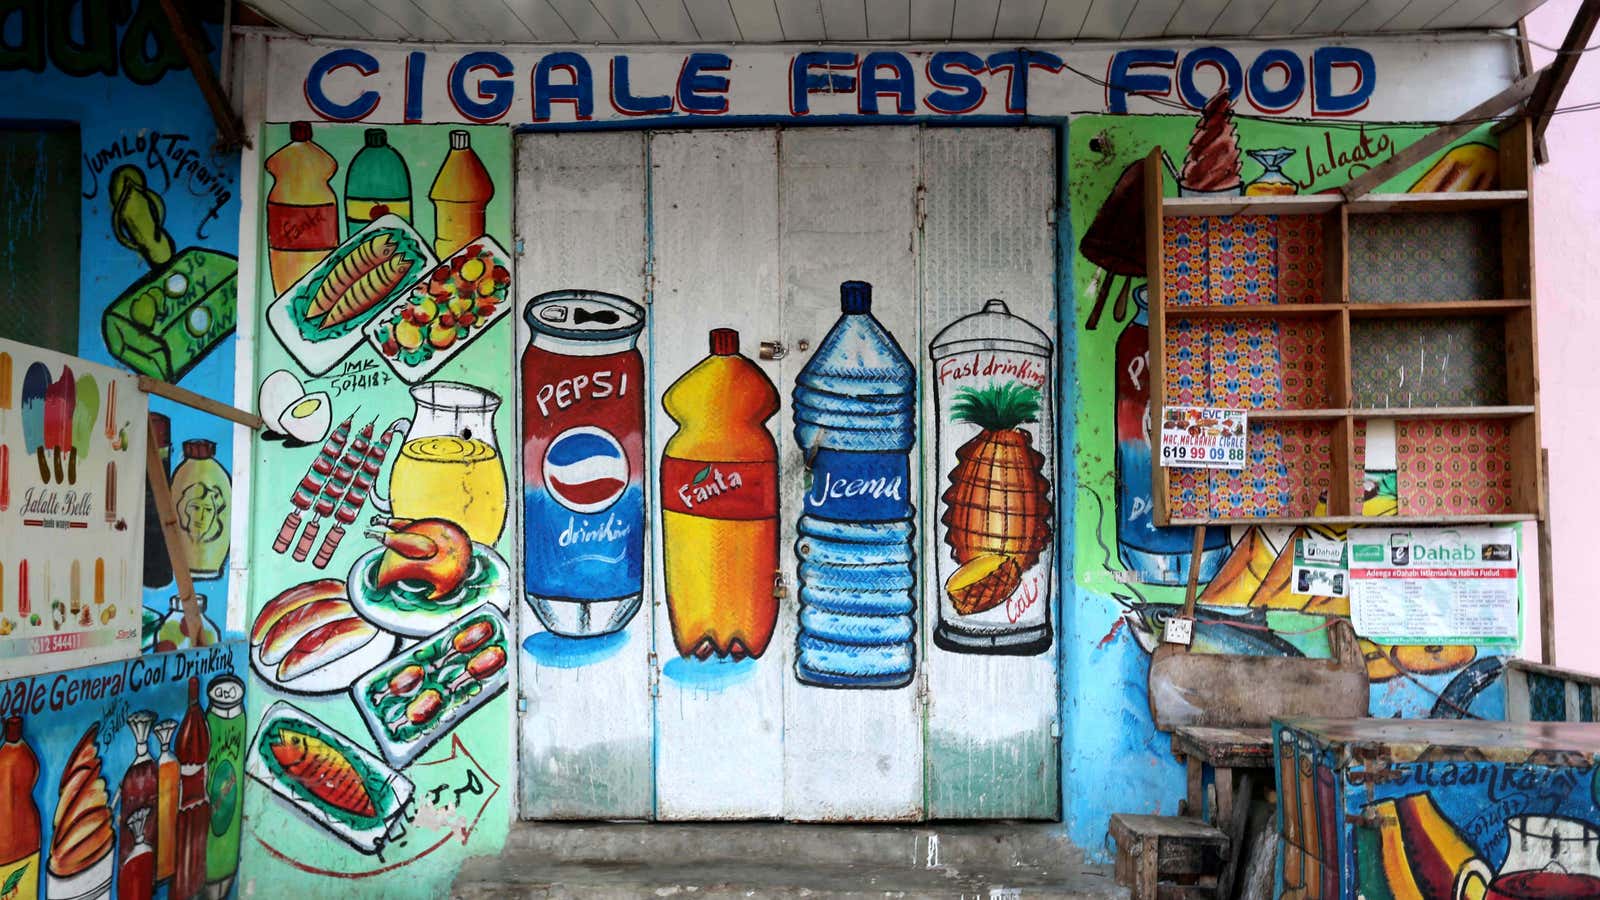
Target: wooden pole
1548,94
230,131
1194,571
1440,137
196,401
1547,572
167,513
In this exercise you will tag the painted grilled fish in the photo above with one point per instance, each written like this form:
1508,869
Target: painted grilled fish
322,770
361,280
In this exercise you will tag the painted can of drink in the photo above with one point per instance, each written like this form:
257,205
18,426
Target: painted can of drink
583,461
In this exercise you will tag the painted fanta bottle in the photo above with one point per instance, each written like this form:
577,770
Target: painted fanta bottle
461,193
376,183
20,838
719,505
855,421
302,211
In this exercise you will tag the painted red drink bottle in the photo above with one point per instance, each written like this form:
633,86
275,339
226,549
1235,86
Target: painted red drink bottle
194,804
583,461
138,798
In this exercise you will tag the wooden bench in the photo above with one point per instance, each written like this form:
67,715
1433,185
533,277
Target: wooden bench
1167,857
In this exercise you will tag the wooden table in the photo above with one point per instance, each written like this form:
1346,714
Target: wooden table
1225,750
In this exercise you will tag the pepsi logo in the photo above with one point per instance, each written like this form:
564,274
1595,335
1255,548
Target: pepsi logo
585,469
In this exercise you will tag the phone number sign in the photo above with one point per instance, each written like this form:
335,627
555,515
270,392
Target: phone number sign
1203,437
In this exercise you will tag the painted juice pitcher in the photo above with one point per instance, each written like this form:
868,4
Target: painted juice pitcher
449,464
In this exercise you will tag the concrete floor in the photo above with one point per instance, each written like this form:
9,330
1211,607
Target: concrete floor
760,859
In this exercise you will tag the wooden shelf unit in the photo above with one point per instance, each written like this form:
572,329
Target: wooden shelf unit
1504,323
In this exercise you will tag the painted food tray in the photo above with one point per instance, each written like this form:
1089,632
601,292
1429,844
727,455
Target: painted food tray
309,640
442,313
411,701
1382,808
318,320
407,607
327,777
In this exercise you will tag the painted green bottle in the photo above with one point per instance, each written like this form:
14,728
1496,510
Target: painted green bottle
376,183
225,719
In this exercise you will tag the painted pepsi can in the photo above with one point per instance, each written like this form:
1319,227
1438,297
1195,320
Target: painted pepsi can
583,461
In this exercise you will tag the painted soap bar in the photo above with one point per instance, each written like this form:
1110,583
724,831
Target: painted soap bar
168,321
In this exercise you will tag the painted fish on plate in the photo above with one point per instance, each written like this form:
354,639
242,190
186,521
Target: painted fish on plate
319,319
328,778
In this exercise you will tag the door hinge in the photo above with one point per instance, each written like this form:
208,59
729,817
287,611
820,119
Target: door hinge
1055,729
1051,215
653,666
923,694
921,205
522,703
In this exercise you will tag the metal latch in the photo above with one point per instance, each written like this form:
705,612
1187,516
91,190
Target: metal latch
780,586
773,350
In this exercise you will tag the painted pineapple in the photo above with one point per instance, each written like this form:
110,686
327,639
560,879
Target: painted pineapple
997,508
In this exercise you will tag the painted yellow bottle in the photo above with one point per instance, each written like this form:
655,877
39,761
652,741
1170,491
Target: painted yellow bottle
719,505
461,193
20,839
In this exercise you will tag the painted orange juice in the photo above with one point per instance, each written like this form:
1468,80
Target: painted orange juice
450,477
449,464
719,505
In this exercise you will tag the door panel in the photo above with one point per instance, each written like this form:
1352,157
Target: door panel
714,228
848,201
586,732
754,230
987,234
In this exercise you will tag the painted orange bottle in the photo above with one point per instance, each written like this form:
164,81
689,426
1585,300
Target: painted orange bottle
719,505
19,840
166,802
302,209
461,193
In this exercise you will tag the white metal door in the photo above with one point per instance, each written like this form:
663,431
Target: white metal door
754,230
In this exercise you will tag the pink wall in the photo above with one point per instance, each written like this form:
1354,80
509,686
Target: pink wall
1566,230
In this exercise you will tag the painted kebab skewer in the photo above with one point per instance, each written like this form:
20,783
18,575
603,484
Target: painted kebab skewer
310,486
333,489
355,495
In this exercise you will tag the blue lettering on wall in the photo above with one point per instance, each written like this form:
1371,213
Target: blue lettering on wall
694,86
579,92
901,85
325,106
1226,64
955,74
1281,99
1323,61
1122,79
1016,63
803,82
493,94
623,100
1152,71
416,71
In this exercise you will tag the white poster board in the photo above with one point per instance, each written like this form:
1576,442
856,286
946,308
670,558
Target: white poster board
72,475
1435,586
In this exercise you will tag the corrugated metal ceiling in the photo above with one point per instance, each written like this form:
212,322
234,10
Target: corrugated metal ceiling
771,21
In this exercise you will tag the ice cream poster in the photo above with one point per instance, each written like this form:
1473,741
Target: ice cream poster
72,470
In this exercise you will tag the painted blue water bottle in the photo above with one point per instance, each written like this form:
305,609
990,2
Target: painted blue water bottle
855,408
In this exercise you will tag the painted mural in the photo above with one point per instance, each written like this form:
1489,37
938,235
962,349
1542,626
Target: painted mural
855,413
124,779
157,252
996,443
380,646
1131,574
719,506
1508,824
583,434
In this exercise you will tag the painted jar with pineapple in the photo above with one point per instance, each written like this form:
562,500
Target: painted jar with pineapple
994,421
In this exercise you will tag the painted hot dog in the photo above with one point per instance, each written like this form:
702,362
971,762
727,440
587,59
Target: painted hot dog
325,644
